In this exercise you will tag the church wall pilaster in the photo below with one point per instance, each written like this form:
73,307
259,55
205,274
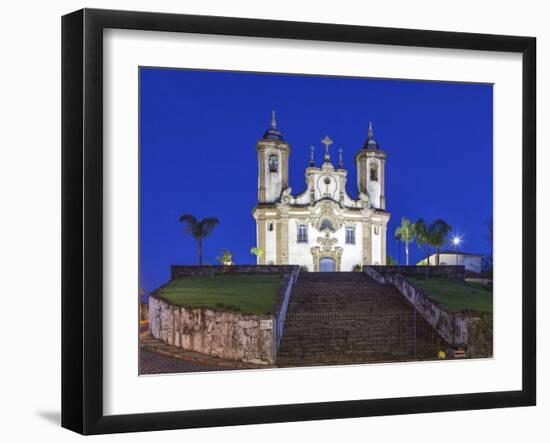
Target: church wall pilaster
262,228
284,236
284,169
382,184
282,241
261,175
383,230
362,173
367,243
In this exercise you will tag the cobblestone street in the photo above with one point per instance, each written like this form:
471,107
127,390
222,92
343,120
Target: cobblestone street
157,357
152,363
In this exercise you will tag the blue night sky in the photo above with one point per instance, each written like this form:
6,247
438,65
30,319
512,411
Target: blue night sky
198,156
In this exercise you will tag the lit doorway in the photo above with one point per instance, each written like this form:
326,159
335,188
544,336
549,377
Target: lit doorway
327,264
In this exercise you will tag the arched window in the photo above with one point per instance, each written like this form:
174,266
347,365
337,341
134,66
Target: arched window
373,173
302,234
273,163
350,235
326,224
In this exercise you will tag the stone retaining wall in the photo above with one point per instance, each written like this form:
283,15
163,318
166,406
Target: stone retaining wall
143,310
178,271
451,272
451,326
227,335
469,328
248,338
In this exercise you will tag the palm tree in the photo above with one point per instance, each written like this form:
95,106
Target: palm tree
198,229
398,239
438,232
406,233
422,231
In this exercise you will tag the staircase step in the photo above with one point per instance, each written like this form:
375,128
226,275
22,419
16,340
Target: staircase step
346,317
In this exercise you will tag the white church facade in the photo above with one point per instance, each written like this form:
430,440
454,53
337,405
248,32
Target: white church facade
321,228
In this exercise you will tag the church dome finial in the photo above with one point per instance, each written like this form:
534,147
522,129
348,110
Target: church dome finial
272,133
370,143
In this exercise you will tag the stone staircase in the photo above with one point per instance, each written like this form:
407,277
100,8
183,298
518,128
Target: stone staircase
346,318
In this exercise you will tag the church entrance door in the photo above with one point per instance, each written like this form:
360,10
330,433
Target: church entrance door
327,264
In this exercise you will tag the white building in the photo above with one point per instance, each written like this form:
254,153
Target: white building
322,227
471,262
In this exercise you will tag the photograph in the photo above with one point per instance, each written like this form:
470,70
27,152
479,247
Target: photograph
290,220
251,222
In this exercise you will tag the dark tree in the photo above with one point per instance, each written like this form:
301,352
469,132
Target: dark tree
198,229
423,237
438,232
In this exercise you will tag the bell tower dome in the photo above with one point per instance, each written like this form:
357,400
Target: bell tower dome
370,162
273,152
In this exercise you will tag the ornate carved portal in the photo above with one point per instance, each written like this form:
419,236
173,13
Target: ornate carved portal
327,249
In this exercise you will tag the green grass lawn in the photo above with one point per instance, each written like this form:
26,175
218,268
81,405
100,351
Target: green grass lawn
249,294
456,296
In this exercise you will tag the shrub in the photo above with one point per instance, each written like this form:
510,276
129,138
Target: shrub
226,257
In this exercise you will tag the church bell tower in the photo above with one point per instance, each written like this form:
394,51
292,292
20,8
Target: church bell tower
273,152
370,162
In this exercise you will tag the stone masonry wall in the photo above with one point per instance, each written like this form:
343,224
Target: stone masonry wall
469,328
479,334
450,272
143,310
451,326
178,271
226,335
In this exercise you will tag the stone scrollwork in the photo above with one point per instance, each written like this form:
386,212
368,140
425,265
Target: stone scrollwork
328,212
326,242
364,200
286,196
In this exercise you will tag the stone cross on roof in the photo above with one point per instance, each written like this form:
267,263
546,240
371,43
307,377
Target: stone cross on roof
327,142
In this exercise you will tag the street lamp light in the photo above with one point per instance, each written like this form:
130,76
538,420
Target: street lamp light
456,242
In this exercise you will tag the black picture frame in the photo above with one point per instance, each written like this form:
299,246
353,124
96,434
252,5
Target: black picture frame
82,220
